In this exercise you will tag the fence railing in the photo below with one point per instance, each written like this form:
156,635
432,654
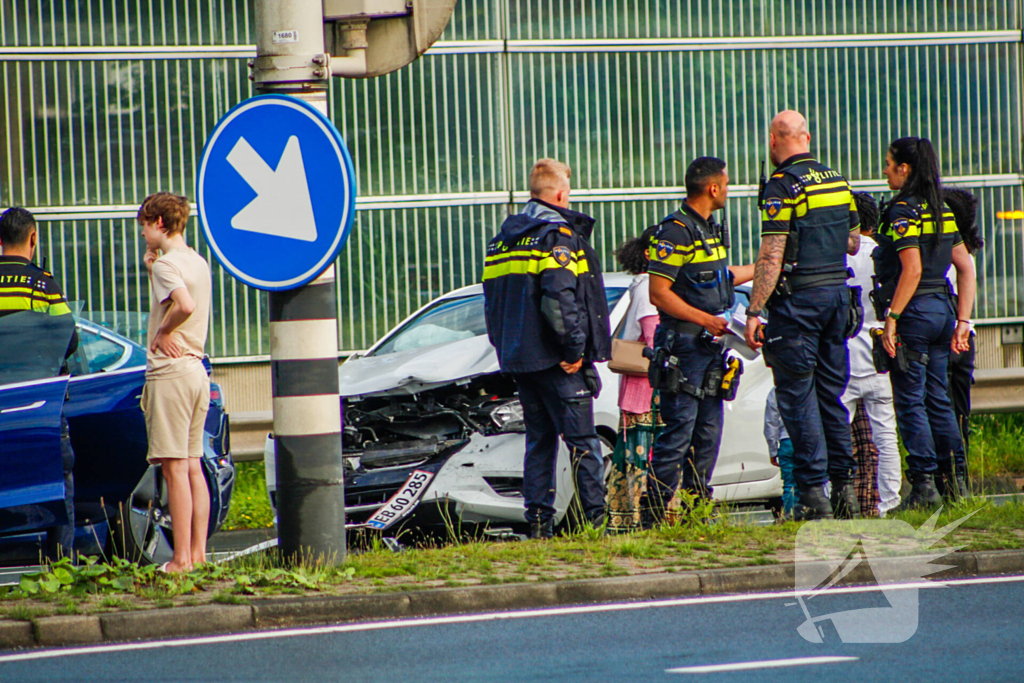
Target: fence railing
108,102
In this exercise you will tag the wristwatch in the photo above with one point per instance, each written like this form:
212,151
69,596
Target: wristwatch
753,312
892,314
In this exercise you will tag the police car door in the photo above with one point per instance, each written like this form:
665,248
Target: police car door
32,391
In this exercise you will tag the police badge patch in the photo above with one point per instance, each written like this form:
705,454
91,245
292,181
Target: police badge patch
772,207
900,226
562,255
664,250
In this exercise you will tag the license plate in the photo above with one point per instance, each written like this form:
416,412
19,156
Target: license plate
402,503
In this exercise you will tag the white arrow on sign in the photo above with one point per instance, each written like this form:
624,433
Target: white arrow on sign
282,206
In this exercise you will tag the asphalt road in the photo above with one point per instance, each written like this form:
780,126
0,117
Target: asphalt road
970,630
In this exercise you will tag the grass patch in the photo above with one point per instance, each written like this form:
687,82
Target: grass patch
997,445
250,505
93,587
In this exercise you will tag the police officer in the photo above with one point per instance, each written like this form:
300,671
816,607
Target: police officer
917,242
27,287
809,225
692,286
547,318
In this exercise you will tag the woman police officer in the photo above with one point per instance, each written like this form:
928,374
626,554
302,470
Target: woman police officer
918,240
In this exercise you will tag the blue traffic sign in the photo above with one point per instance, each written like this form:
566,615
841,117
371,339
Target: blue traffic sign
276,192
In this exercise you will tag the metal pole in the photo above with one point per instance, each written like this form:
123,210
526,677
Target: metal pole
303,322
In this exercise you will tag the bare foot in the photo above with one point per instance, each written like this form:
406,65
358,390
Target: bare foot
173,567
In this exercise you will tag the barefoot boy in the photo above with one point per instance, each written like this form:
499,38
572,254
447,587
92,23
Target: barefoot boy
176,397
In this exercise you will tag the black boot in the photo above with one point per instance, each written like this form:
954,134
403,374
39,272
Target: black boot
811,504
844,501
923,493
952,487
542,529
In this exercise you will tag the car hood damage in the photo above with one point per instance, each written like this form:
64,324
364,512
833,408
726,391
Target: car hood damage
410,407
418,370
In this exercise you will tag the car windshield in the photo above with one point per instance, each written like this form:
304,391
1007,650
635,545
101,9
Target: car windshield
451,320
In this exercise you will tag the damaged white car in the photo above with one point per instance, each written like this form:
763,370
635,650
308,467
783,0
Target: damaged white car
434,437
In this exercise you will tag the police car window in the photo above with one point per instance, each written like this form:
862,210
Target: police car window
95,353
445,322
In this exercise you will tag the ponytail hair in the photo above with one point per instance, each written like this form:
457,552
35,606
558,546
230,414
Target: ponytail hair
964,206
923,181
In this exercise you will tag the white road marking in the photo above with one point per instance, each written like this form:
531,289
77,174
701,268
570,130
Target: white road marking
476,618
766,664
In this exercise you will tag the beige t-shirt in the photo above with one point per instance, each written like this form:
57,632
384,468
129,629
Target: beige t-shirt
179,267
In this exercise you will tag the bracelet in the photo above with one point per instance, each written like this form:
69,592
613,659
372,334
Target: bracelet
961,320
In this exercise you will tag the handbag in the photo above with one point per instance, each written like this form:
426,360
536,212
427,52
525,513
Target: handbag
627,356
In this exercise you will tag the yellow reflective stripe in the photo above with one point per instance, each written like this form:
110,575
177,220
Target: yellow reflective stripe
784,214
59,309
15,304
826,186
826,199
20,303
534,263
676,258
701,256
27,291
948,226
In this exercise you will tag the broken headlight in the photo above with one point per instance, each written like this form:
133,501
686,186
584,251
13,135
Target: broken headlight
508,417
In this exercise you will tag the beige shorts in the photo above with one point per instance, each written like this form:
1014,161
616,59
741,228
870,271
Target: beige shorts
175,412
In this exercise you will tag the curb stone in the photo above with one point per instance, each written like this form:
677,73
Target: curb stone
16,634
269,613
177,621
69,630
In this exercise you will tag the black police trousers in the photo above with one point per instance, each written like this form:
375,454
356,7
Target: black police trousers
808,355
60,539
687,447
556,403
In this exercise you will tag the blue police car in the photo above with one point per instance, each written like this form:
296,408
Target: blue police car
120,500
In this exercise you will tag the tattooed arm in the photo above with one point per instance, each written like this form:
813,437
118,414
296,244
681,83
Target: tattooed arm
766,274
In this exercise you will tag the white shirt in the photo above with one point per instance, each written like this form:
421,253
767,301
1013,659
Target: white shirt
861,362
640,306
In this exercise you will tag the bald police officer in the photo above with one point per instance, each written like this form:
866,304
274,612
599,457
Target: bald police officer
809,225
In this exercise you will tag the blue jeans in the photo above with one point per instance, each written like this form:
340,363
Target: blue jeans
807,352
923,411
558,403
785,458
688,445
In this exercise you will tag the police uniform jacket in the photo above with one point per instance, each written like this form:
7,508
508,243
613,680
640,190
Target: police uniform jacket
907,222
25,286
689,251
544,295
814,207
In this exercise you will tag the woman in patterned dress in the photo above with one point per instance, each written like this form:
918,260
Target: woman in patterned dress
628,481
